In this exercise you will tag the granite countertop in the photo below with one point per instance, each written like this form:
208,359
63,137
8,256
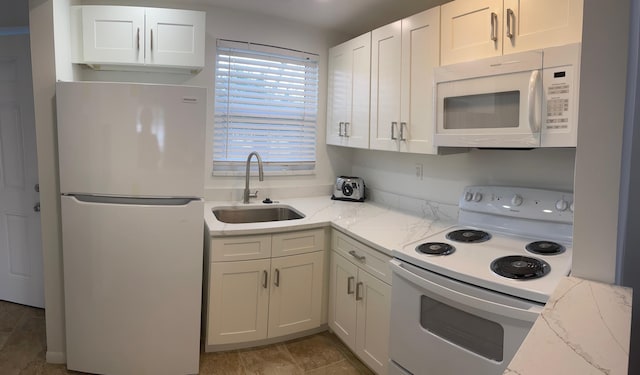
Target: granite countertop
583,329
381,227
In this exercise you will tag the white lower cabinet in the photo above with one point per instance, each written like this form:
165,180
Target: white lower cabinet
256,299
360,303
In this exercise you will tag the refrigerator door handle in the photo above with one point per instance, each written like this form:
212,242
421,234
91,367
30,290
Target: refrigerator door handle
132,200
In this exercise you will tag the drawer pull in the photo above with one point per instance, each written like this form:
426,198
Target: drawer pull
361,258
359,296
350,281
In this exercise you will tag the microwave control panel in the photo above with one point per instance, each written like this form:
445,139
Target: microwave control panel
558,108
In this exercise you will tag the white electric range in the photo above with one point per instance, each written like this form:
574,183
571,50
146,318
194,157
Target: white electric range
471,292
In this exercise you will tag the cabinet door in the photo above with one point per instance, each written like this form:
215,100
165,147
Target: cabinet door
470,29
295,302
238,301
531,24
175,37
373,314
386,57
420,54
338,98
113,34
357,129
342,303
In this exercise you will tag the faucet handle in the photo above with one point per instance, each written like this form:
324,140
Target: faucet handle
253,195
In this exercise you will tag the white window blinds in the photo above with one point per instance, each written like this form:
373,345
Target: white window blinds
266,100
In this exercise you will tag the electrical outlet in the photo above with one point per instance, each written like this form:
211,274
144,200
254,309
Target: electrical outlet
419,171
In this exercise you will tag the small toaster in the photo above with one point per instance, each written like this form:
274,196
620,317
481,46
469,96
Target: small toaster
348,189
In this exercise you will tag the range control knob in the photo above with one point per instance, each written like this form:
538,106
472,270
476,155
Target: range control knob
468,196
477,197
516,200
562,205
571,207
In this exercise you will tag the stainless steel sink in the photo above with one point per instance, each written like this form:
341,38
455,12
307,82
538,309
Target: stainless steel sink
253,214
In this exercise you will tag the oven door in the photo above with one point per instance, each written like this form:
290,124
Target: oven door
453,328
490,103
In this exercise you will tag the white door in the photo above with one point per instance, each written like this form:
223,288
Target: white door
532,24
386,57
420,41
470,30
338,93
373,298
295,301
238,301
342,304
21,273
357,129
132,284
113,34
175,37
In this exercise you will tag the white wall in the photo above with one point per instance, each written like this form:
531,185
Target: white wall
598,157
629,236
445,176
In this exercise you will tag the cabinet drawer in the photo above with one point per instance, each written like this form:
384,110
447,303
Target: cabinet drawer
301,242
373,261
226,249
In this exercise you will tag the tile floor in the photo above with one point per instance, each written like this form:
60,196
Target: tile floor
22,352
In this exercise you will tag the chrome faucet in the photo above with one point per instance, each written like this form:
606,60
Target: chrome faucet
247,192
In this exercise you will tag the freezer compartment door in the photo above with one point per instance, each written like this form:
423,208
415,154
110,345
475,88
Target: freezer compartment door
133,279
131,139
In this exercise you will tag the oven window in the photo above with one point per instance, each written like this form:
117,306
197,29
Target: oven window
471,332
482,111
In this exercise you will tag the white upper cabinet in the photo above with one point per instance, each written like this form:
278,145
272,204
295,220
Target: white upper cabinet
138,37
404,54
531,24
473,29
348,93
175,37
113,34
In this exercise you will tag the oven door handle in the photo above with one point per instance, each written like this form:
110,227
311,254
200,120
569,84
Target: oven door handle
529,315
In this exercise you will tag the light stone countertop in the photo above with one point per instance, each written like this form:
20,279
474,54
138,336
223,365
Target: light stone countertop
380,227
584,329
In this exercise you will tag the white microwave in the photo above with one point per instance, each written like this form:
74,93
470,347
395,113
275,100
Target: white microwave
522,100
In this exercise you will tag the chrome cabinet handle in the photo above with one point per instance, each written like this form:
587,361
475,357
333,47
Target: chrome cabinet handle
350,281
358,257
393,130
346,129
359,296
494,26
265,276
152,39
138,39
510,16
340,129
402,126
276,282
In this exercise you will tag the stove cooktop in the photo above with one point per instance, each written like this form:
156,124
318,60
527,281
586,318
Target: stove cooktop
471,262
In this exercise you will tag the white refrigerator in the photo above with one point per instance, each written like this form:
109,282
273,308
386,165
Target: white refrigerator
132,181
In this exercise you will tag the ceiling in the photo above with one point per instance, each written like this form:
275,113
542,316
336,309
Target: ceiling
351,17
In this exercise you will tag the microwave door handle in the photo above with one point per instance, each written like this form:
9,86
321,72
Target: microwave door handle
534,105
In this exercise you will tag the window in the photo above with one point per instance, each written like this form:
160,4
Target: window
266,100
